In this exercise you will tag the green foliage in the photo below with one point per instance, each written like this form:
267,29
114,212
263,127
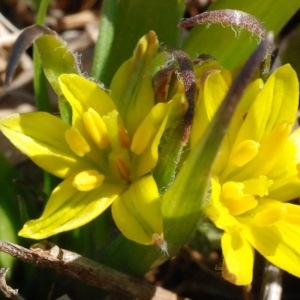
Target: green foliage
126,22
56,59
39,80
232,47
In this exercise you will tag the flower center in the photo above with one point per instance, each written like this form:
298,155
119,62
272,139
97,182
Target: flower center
119,157
122,155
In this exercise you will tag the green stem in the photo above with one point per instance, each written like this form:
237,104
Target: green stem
39,80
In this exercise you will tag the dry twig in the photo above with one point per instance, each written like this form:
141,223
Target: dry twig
7,290
48,255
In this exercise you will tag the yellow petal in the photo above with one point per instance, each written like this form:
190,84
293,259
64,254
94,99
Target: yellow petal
277,102
148,128
238,257
41,137
210,97
285,172
147,137
131,87
69,208
251,92
83,94
137,212
279,243
231,142
268,122
216,210
269,216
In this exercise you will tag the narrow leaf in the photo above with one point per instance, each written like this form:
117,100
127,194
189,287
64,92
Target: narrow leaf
230,46
39,80
133,20
56,59
23,42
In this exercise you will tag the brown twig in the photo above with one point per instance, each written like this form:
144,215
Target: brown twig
7,290
48,255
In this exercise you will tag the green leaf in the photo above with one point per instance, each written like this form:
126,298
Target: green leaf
54,56
232,47
39,80
56,59
131,20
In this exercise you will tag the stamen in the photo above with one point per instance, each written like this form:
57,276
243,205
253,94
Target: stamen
232,190
76,142
122,169
96,128
235,199
258,186
88,180
112,121
124,137
245,152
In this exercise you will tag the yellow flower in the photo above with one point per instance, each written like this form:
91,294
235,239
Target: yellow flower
106,155
255,173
